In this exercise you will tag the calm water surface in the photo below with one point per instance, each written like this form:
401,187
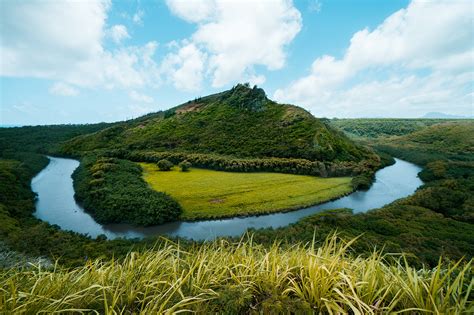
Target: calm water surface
56,205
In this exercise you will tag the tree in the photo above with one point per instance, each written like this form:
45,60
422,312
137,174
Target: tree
184,165
164,165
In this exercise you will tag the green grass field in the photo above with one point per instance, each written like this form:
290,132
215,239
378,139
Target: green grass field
209,194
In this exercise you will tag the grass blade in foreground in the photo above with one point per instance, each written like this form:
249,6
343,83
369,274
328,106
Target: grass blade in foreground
241,277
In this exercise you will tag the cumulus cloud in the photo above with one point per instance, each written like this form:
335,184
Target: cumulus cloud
235,36
141,98
255,79
39,37
192,11
118,33
62,40
419,55
63,89
185,67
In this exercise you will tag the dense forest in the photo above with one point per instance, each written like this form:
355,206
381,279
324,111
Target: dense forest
383,127
41,139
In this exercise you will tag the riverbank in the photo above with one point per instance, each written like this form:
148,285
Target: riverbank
401,227
56,205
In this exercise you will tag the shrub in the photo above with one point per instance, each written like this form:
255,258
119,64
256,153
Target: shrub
233,164
164,165
184,166
362,181
130,202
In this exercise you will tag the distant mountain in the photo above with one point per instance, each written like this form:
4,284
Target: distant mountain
240,122
438,115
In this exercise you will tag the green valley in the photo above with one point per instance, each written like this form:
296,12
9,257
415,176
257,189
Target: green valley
237,157
273,269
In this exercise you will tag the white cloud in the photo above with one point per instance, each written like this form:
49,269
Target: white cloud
63,89
118,33
192,11
428,45
62,40
398,96
142,98
38,37
255,79
185,68
127,67
238,35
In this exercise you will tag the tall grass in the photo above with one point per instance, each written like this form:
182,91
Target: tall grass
241,278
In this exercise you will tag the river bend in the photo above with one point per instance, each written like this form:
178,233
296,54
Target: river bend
56,205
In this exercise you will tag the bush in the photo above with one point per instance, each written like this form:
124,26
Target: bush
184,166
233,164
95,184
362,181
164,165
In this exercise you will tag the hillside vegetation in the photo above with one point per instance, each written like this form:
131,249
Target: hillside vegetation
22,236
41,139
383,127
241,122
211,194
437,220
239,130
242,278
452,141
257,276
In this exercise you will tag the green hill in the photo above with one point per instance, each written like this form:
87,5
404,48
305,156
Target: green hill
241,122
238,130
378,128
451,141
452,138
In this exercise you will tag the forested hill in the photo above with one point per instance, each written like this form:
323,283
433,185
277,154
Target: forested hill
449,141
240,122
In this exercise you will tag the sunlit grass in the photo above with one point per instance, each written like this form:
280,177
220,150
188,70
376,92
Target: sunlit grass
241,278
209,194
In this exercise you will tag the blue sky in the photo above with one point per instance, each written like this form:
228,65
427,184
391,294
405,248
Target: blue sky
92,61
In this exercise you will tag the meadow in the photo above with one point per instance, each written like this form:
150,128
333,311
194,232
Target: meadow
241,278
206,193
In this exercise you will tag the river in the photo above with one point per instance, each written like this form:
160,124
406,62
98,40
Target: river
56,205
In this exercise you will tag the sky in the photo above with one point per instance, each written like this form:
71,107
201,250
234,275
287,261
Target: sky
90,61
